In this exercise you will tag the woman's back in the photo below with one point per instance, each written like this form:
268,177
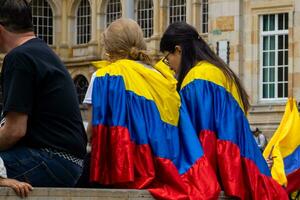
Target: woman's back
216,111
136,142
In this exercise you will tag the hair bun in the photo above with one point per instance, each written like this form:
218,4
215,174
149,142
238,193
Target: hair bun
134,53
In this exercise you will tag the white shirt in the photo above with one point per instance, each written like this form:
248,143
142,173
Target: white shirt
3,173
88,95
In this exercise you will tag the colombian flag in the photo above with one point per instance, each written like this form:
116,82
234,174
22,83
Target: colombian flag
216,112
136,141
284,146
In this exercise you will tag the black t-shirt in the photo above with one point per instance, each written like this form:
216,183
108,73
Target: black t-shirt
35,82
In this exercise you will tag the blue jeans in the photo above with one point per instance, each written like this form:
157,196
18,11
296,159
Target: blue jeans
40,168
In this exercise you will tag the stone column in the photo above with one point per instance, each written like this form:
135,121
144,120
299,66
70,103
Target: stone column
156,18
128,9
294,52
60,23
189,12
197,19
64,27
93,20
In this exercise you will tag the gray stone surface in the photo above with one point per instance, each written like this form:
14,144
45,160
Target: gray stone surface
78,194
81,194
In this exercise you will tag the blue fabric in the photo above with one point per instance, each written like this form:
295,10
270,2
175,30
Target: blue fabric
113,105
211,107
40,168
292,162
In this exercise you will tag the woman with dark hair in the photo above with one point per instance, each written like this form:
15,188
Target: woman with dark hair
217,105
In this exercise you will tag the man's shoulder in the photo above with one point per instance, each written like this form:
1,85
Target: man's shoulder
17,59
15,53
26,48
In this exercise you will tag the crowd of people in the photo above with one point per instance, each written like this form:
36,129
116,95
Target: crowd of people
177,127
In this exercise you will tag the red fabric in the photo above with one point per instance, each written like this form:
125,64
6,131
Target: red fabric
208,140
116,160
168,184
120,163
239,176
106,167
262,187
200,189
293,181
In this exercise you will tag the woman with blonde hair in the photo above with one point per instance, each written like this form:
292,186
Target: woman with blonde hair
135,112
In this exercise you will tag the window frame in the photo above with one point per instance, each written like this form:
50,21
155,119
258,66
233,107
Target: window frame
202,16
176,16
106,13
85,26
38,17
147,10
276,33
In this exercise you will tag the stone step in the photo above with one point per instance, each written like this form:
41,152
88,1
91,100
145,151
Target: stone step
81,194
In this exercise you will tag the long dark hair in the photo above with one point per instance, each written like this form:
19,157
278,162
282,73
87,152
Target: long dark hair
195,49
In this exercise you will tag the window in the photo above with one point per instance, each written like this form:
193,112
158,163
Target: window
42,19
223,50
81,85
177,11
274,56
84,22
113,11
204,16
145,16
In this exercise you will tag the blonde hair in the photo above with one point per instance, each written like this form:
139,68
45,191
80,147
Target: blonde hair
124,39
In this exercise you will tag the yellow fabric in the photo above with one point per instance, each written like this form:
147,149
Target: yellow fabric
284,141
209,72
100,64
157,84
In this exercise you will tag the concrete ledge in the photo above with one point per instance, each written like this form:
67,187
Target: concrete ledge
78,194
82,194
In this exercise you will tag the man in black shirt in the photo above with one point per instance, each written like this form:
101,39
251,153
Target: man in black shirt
42,140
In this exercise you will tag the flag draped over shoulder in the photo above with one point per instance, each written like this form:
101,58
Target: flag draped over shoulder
136,142
216,112
284,146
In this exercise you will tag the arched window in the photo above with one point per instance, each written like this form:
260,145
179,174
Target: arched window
177,11
42,19
83,22
145,16
113,11
81,85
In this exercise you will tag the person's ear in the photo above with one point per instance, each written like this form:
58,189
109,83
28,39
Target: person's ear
178,49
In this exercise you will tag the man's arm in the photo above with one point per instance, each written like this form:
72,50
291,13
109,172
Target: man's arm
13,130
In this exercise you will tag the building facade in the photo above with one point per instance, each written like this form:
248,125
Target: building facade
257,38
